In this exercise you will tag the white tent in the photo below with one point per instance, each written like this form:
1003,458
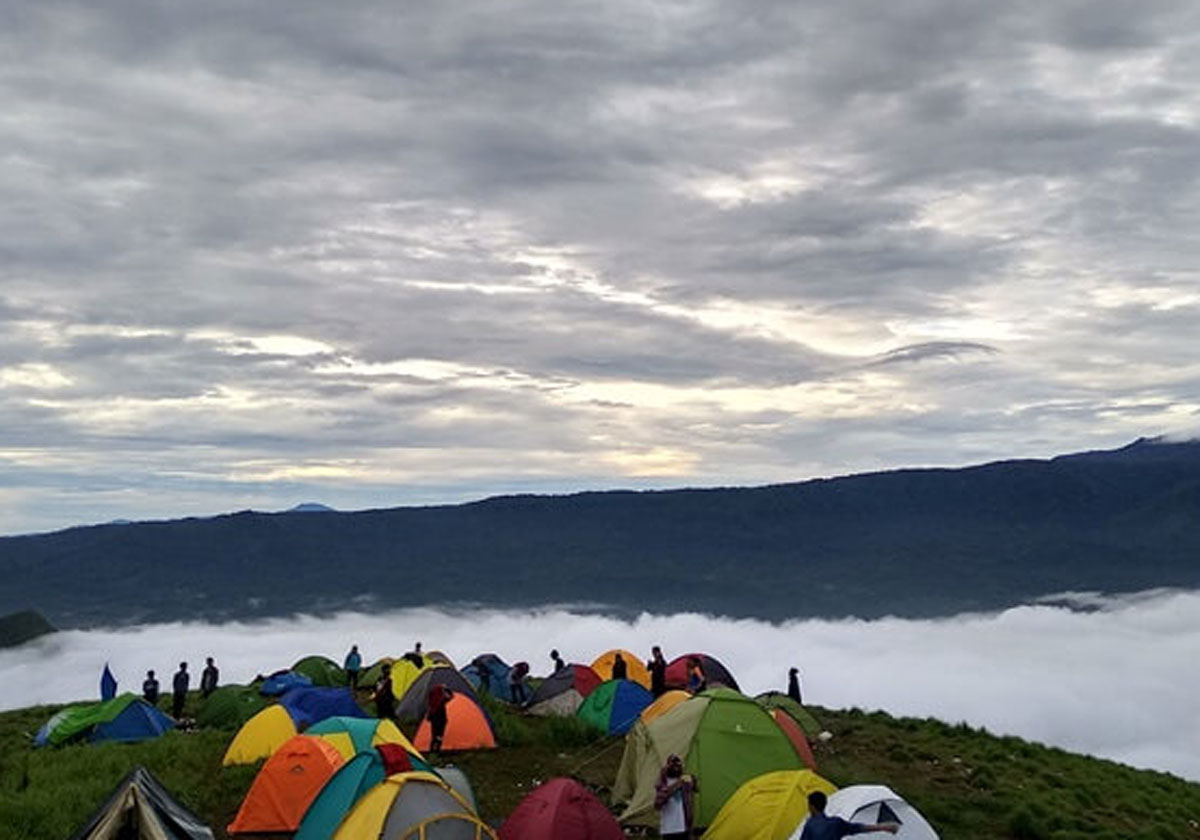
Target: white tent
872,804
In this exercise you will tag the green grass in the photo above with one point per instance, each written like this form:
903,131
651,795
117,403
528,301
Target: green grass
969,783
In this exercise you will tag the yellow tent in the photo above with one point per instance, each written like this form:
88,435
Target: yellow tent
350,736
768,807
260,736
635,669
412,806
405,673
665,703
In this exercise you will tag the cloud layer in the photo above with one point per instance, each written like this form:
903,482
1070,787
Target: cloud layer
1108,682
373,255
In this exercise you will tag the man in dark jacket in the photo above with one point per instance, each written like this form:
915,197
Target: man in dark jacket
179,686
385,699
820,827
150,689
657,666
208,678
794,684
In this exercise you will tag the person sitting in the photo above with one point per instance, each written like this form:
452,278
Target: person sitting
558,661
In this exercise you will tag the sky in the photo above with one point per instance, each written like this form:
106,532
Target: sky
370,254
1107,682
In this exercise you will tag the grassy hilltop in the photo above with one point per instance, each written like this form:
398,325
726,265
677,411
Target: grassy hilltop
970,784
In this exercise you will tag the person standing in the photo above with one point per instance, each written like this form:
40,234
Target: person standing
673,794
437,700
620,670
794,684
179,689
208,678
385,700
820,827
657,666
150,689
516,683
696,681
352,665
558,661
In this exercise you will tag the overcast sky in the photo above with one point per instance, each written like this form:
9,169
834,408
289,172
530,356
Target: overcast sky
1107,683
372,254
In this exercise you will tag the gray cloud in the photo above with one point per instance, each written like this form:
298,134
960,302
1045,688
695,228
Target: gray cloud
436,252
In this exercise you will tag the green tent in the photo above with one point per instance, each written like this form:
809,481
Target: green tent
724,738
230,706
778,700
322,670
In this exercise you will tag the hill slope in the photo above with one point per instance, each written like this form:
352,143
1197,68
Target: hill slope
908,542
970,784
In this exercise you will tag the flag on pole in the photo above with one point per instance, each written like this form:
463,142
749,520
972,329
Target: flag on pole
108,684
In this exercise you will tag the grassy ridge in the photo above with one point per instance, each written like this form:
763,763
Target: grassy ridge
969,783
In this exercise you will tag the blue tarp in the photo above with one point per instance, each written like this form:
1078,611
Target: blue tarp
309,705
108,684
488,673
283,682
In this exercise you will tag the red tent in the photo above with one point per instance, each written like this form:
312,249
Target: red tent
714,672
561,809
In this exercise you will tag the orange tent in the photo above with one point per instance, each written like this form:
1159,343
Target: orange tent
286,785
666,702
796,736
635,669
467,727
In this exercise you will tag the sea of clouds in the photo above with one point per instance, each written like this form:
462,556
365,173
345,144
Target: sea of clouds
1115,678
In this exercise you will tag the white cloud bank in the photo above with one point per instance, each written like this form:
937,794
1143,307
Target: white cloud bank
1116,682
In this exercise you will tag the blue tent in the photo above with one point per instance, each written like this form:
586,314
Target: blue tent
488,673
283,682
308,705
126,718
137,722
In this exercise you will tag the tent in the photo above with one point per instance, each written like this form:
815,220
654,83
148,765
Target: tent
561,693
230,706
141,809
350,784
286,785
125,718
368,677
561,809
489,673
283,682
309,705
260,736
415,702
635,668
350,735
715,674
412,806
468,727
667,701
615,706
458,782
877,804
724,738
321,671
767,807
796,735
802,716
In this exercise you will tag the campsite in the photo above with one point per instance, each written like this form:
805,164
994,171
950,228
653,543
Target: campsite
308,759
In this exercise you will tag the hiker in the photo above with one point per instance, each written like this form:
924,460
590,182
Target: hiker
150,689
208,678
385,700
352,665
179,688
415,656
820,827
657,666
437,700
620,671
516,683
794,684
673,799
696,681
558,661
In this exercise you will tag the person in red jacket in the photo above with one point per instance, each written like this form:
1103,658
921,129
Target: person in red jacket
437,700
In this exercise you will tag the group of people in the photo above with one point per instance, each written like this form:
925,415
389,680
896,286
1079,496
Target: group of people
180,684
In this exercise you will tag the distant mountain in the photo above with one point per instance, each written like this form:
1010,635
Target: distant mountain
311,507
21,627
917,542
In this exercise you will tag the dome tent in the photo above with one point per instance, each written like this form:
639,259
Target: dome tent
635,668
297,710
873,804
351,736
126,718
468,727
488,673
412,806
561,693
767,807
230,706
561,809
724,738
322,671
715,674
415,702
614,706
286,785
